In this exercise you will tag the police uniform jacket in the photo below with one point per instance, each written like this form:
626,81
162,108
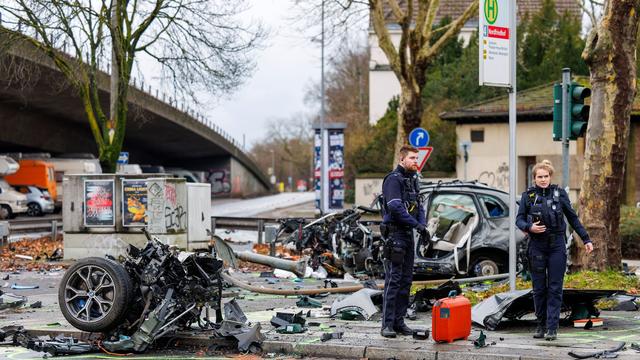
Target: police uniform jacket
403,204
548,205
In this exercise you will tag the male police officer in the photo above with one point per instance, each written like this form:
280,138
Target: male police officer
403,211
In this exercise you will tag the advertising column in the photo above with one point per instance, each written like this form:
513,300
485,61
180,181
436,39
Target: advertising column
332,190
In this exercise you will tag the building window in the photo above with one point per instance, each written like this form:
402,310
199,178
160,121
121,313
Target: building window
477,135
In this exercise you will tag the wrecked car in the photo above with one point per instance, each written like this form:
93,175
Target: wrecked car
340,242
469,227
149,293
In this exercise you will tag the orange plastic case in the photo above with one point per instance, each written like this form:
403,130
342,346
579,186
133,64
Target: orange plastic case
451,319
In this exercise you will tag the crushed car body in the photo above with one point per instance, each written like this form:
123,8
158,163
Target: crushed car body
147,294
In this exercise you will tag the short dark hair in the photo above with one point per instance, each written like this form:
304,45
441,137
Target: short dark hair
406,149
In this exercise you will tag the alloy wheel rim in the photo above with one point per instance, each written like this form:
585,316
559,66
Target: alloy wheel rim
89,293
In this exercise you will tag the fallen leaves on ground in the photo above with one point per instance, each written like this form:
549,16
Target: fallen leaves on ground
42,250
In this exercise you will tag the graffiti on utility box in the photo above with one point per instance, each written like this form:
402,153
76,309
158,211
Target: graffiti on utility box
167,206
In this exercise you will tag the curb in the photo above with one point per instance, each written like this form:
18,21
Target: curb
328,350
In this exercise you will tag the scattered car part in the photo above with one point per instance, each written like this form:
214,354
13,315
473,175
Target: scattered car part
233,312
421,334
291,329
24,287
283,319
8,301
333,335
297,267
480,342
360,301
307,302
605,354
515,304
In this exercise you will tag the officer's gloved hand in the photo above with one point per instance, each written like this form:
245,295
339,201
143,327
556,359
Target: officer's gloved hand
422,231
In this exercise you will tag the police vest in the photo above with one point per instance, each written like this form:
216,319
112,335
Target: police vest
549,209
410,193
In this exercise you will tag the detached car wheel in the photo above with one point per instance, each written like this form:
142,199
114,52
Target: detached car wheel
94,293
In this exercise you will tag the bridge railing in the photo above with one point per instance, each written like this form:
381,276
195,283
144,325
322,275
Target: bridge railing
105,67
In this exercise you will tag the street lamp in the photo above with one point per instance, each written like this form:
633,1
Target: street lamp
322,115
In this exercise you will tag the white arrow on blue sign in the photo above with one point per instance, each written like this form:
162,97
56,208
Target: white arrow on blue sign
123,158
419,137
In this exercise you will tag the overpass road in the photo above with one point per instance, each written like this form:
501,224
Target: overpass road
41,112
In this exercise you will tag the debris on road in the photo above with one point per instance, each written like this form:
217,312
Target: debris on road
24,287
604,354
11,301
333,335
361,302
515,304
307,302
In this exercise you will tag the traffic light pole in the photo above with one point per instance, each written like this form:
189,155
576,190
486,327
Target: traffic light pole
566,82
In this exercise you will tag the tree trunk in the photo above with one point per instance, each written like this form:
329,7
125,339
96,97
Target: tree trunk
611,56
409,117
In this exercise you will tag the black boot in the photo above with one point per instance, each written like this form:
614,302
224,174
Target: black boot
551,335
540,330
388,332
403,330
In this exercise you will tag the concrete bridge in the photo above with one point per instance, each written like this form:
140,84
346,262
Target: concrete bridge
41,112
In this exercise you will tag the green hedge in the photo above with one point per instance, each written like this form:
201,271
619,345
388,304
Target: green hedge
630,232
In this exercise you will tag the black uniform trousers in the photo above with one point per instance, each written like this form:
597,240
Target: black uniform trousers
548,262
398,276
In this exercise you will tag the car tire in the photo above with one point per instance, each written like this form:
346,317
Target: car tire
484,265
5,212
94,293
34,209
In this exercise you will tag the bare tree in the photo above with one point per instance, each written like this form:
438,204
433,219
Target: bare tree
288,144
610,54
420,42
199,45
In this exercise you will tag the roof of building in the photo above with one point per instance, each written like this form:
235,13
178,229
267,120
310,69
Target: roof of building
455,8
533,104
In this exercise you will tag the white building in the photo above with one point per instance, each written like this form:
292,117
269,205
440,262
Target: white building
383,84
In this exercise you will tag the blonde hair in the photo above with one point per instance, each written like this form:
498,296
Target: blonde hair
543,165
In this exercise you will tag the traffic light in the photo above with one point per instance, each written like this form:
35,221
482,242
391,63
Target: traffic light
557,112
578,111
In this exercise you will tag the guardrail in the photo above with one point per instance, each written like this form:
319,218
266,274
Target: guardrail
21,226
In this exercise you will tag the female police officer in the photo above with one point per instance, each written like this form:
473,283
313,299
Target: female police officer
541,215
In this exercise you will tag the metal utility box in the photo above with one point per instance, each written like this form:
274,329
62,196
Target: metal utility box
104,213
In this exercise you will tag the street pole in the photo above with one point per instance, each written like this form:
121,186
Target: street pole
513,166
566,81
273,163
323,186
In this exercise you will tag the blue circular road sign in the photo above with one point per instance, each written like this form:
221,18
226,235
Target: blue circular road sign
419,137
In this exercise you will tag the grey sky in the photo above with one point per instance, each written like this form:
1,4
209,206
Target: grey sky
287,65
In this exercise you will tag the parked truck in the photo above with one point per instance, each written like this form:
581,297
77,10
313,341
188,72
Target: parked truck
36,173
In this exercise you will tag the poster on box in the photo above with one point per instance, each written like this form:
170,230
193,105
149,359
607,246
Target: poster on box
336,168
99,205
134,203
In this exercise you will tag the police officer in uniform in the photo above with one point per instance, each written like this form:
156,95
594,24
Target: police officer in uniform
403,211
541,216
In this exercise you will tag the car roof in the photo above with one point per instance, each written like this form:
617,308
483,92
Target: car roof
459,185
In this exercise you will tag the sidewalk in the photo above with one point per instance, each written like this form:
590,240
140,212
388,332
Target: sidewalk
361,338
